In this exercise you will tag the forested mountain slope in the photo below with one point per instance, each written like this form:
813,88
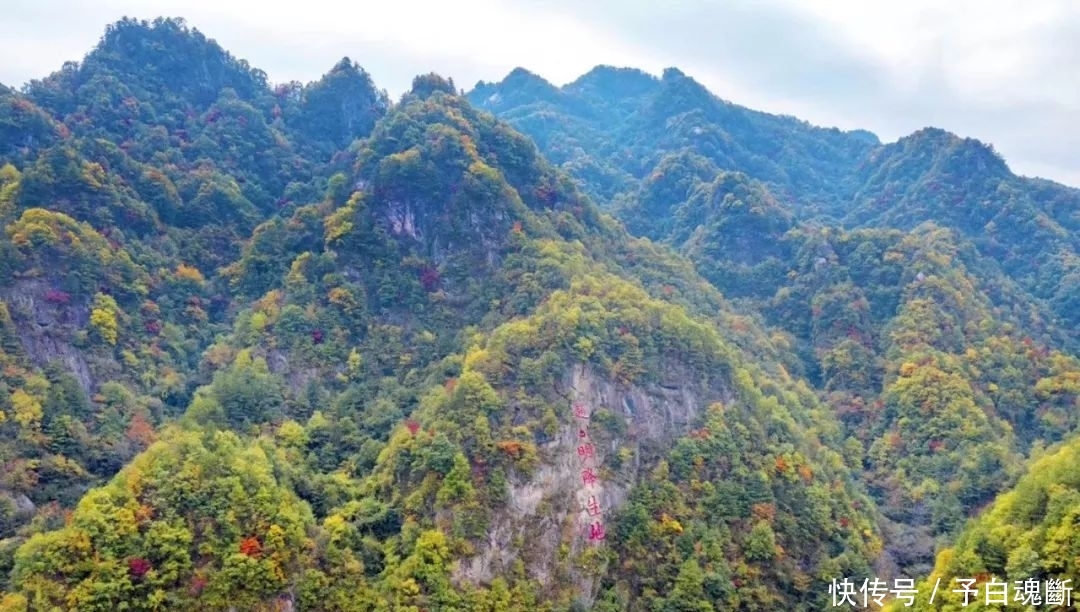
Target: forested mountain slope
618,130
422,371
1028,536
927,290
612,126
298,347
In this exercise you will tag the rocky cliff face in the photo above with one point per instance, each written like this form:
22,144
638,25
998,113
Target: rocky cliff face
46,327
587,470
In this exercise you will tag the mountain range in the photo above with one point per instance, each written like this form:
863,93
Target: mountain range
617,345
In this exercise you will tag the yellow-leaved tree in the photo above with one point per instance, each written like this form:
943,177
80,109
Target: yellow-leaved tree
103,318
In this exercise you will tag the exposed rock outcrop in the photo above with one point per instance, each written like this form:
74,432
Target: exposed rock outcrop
548,517
46,327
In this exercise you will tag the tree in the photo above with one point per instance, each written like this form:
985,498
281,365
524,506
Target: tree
197,508
247,392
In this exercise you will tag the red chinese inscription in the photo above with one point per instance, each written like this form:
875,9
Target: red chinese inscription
588,477
592,506
596,531
580,411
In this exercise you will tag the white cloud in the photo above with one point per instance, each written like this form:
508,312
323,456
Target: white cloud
983,48
1002,71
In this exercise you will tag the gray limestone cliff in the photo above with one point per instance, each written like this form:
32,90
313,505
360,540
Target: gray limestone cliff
47,329
549,516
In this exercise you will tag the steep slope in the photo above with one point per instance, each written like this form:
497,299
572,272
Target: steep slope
154,159
931,356
728,225
945,389
1026,536
616,139
125,181
1029,227
421,348
162,133
97,350
516,428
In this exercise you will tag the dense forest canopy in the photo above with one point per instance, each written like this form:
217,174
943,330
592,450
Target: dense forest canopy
619,345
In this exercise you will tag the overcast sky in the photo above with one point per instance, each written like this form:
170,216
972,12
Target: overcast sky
1003,71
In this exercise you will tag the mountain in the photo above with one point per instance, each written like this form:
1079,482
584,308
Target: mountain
623,122
1028,226
617,134
877,260
1026,538
620,345
360,378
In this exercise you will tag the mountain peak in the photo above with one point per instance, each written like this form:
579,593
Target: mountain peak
673,74
162,57
343,105
515,88
433,360
947,145
346,65
931,134
610,80
520,76
424,85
